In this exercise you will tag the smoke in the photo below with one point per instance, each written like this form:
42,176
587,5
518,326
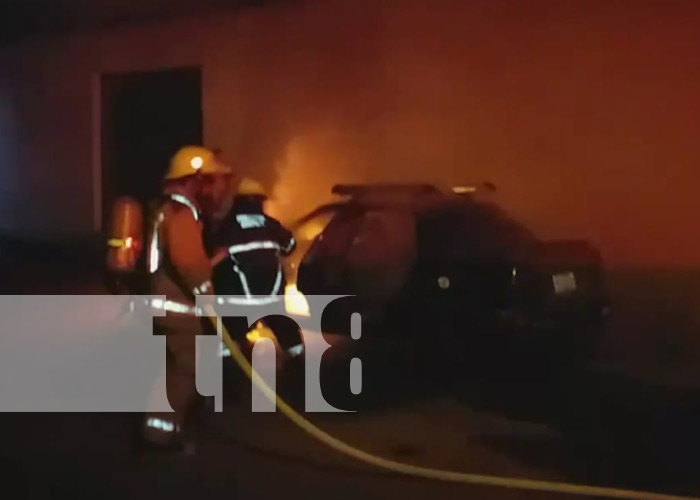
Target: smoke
311,165
582,114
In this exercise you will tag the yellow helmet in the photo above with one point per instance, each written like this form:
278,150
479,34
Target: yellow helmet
192,160
250,187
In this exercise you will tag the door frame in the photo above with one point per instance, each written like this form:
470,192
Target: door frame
97,160
96,151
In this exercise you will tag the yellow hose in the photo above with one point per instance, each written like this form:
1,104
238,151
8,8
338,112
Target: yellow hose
413,470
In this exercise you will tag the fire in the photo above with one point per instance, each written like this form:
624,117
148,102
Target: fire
311,165
294,301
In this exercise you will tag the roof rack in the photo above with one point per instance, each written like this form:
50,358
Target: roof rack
360,189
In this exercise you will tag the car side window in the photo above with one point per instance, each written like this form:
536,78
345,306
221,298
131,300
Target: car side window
384,237
383,252
338,236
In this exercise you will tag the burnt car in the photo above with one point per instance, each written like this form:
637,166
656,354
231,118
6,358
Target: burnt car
424,265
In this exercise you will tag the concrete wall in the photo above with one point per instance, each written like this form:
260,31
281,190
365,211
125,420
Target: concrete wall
584,115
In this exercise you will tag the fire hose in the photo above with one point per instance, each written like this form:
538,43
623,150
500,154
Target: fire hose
414,470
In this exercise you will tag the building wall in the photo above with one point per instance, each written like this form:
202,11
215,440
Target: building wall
583,115
50,162
46,152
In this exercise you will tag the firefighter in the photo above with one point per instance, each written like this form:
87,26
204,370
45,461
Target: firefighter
217,200
248,265
180,269
218,193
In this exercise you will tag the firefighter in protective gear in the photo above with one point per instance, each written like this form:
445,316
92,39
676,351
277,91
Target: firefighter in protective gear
180,269
248,265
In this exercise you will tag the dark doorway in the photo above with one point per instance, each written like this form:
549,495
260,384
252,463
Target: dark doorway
146,117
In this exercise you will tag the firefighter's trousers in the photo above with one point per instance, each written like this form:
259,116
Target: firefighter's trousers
180,331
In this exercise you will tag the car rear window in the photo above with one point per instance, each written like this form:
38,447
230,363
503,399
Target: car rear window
470,231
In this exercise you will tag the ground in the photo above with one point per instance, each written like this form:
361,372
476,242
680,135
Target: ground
608,424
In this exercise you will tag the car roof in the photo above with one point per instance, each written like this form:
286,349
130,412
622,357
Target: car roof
425,203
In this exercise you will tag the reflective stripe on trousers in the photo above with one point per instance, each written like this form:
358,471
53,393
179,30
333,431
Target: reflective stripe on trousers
162,425
248,301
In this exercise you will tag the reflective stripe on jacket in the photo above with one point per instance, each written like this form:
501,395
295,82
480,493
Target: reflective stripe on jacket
178,265
251,268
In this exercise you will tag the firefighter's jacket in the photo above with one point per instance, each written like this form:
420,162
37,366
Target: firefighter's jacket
177,262
248,266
